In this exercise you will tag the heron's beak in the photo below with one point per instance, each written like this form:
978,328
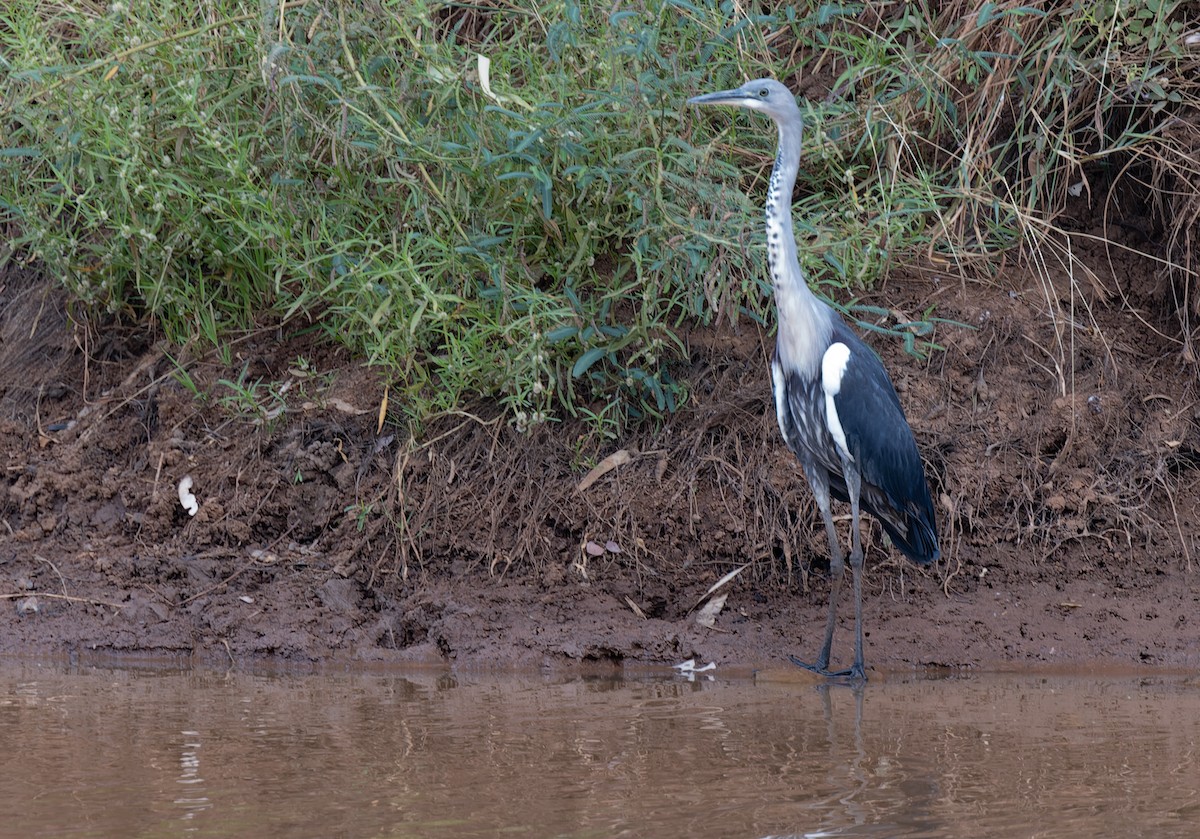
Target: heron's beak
721,97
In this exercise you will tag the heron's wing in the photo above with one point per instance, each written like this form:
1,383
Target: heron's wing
881,443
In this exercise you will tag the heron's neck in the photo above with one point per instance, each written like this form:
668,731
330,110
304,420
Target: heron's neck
805,323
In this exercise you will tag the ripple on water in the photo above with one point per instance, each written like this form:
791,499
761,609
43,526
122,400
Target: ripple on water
110,752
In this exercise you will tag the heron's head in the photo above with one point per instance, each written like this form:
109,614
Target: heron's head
766,95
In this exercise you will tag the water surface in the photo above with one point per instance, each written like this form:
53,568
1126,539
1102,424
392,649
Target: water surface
102,752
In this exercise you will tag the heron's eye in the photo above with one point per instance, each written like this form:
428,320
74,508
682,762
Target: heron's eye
763,93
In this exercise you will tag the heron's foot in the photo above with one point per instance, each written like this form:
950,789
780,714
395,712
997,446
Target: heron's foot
855,675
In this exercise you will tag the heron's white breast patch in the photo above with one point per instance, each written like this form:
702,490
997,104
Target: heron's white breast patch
833,368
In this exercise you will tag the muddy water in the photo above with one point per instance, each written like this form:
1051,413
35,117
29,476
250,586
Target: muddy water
95,752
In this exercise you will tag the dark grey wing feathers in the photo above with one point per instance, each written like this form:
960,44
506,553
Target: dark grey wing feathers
879,439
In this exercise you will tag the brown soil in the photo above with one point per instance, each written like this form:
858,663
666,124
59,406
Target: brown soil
1060,432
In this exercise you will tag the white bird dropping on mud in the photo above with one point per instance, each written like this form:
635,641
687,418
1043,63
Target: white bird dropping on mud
186,498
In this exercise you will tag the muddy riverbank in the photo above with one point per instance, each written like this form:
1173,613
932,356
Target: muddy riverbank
1059,426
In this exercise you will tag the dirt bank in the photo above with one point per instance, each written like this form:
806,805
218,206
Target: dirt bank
1059,430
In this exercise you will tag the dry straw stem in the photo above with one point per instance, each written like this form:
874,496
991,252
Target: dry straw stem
64,597
1050,98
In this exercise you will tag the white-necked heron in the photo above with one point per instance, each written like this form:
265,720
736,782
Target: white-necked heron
836,406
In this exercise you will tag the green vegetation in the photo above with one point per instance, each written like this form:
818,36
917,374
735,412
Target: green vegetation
513,200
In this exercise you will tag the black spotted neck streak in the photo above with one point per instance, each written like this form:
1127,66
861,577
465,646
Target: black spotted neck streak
805,324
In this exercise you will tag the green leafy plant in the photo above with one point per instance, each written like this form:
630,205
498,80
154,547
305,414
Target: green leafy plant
514,202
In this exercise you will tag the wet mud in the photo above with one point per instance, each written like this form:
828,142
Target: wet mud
1059,425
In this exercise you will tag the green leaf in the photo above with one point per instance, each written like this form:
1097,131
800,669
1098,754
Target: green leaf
562,333
585,361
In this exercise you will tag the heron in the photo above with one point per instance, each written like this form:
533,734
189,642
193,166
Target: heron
836,406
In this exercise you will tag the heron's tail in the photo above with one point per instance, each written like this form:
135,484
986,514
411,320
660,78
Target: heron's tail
914,531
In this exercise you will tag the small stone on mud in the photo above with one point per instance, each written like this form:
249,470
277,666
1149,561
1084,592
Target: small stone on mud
339,595
111,514
28,605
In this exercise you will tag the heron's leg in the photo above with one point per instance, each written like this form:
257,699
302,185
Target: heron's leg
857,674
837,567
854,487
